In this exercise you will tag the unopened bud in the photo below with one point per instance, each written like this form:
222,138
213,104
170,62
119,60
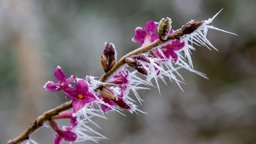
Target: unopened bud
136,62
130,61
164,27
106,92
121,103
191,26
142,70
108,58
142,58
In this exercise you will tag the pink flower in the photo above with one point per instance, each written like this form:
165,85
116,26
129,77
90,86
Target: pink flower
120,101
80,95
62,82
120,81
169,50
146,35
66,133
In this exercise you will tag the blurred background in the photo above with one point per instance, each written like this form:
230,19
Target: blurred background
36,36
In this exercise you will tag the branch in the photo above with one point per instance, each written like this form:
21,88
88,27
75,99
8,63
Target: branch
39,122
186,29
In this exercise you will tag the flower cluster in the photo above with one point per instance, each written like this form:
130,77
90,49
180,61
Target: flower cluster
93,98
90,98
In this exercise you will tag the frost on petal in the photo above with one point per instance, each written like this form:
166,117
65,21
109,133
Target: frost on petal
57,139
70,79
62,83
108,58
110,103
66,135
69,135
71,93
51,86
82,86
77,104
120,77
93,83
150,27
121,103
146,35
89,97
59,74
177,44
139,36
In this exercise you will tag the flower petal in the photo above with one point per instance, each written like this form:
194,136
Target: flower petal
174,56
89,97
82,87
59,74
177,45
73,122
71,93
70,79
120,102
106,108
77,105
69,135
57,139
150,27
139,36
51,86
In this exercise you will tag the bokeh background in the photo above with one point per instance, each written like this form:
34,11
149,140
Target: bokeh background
36,36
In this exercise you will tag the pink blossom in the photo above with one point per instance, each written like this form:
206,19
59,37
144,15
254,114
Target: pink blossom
80,95
146,35
119,80
169,50
64,134
62,82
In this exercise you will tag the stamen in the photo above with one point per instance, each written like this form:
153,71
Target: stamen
80,96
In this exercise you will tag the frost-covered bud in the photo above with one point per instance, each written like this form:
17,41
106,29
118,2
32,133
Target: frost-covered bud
137,63
106,92
108,58
164,27
130,61
191,26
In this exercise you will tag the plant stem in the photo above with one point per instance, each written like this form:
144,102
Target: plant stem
39,121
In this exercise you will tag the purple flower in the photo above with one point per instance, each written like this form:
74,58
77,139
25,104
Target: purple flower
115,102
169,50
146,35
110,102
120,80
66,133
108,58
80,95
62,82
137,63
120,77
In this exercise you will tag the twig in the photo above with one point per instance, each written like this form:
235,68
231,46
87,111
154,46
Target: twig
186,29
39,122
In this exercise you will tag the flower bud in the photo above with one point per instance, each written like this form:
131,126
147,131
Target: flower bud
108,58
130,61
191,26
164,28
137,63
106,92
